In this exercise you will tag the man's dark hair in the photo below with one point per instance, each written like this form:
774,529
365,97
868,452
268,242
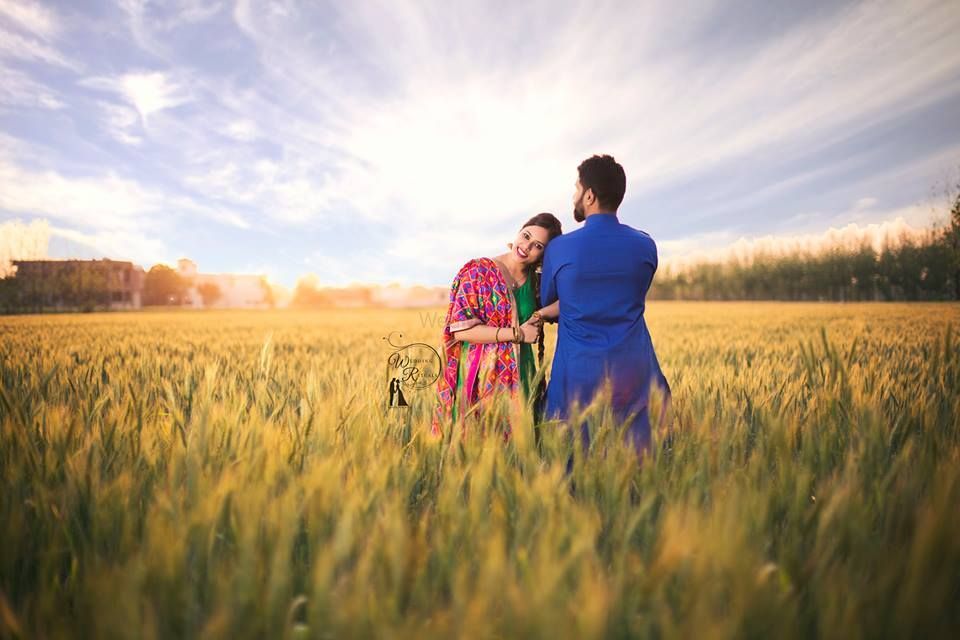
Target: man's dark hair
606,178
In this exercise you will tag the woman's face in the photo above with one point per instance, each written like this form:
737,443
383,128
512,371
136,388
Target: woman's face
529,245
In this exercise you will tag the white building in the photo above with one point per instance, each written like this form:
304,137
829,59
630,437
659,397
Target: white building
236,291
397,296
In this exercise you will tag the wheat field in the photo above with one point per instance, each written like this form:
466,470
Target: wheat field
238,475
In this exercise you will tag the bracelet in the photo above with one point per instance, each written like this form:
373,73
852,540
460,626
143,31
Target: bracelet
517,335
497,339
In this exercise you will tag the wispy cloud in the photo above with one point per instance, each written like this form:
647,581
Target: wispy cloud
470,118
17,89
118,244
16,46
434,130
32,17
244,130
106,201
22,241
191,12
28,32
151,92
147,92
122,122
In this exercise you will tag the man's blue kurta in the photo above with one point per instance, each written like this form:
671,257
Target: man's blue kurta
601,274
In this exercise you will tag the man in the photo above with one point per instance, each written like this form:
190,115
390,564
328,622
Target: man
601,274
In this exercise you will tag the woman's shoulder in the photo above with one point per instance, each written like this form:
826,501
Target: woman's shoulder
481,265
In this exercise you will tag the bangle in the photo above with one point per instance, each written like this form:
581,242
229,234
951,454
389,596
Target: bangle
517,335
497,339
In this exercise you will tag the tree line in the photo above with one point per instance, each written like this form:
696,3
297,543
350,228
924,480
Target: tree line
163,285
91,286
925,267
84,290
905,268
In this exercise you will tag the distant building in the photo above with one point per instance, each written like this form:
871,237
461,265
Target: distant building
309,295
235,291
65,284
397,296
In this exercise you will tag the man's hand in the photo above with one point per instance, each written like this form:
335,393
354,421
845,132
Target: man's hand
530,330
549,313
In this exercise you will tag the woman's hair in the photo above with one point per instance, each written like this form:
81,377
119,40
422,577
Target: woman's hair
549,222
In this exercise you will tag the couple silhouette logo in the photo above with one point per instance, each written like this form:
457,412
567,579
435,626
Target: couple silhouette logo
395,394
410,367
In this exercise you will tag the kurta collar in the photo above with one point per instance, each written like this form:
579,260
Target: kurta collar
601,218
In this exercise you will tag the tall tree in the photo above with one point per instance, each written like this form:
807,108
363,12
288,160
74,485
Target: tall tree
268,296
9,294
163,285
210,293
952,238
308,294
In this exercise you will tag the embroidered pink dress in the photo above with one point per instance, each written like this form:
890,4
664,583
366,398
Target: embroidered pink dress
479,295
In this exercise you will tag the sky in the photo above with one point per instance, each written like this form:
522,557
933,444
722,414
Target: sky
383,141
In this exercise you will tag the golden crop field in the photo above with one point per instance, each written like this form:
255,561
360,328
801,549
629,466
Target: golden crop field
237,474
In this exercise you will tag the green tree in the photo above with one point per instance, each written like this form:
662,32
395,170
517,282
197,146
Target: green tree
9,294
85,287
268,296
910,267
210,293
163,285
308,295
952,240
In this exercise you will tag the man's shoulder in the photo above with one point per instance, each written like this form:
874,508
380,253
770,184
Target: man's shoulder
566,238
578,235
639,234
633,230
556,247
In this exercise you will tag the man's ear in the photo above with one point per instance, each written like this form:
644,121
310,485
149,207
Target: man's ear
589,197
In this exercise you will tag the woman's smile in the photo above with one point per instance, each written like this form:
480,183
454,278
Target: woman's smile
482,329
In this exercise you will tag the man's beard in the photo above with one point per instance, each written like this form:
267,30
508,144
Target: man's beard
578,213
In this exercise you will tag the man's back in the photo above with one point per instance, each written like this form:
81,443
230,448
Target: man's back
601,274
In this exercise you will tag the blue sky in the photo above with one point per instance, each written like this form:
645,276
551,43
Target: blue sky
379,141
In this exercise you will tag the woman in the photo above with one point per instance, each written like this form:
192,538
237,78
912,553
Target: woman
491,323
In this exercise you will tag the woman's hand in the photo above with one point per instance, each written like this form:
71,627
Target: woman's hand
482,334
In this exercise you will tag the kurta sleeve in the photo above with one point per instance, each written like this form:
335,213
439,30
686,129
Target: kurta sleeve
465,310
548,277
